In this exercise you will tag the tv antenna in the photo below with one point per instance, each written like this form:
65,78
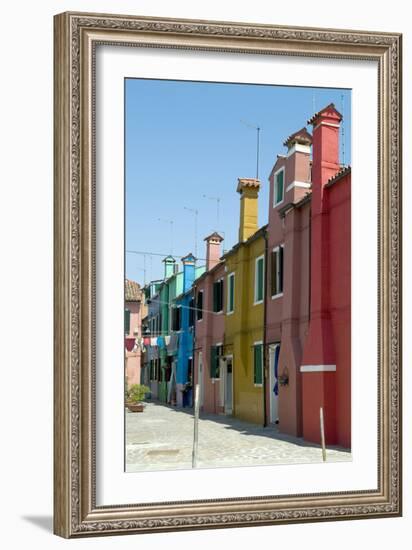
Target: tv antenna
195,212
171,222
217,199
257,128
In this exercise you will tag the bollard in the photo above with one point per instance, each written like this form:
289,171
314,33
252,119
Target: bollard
322,434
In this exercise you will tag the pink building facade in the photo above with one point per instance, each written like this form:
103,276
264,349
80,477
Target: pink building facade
209,327
134,312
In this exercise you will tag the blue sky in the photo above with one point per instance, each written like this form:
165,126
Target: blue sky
185,140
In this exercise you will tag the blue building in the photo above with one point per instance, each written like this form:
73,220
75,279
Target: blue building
184,315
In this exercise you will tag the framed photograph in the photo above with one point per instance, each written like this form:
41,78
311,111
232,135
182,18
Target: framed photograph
227,274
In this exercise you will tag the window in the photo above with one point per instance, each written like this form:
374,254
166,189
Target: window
258,364
216,353
259,279
176,318
191,312
127,321
199,305
278,187
218,296
231,293
276,271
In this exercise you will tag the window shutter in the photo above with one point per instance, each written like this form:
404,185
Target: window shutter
127,321
231,292
221,296
273,274
281,269
215,291
279,186
258,374
259,274
199,306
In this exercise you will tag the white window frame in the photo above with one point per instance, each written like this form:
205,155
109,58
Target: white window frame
258,343
255,300
218,345
276,249
230,276
275,187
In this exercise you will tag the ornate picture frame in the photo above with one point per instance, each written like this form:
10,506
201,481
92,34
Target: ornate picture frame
76,36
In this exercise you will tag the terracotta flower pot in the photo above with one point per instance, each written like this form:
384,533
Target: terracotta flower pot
135,407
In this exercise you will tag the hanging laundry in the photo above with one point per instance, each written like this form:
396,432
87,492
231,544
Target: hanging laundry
146,341
161,342
153,341
129,343
167,340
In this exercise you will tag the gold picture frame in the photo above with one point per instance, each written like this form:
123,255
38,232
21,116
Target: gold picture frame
75,38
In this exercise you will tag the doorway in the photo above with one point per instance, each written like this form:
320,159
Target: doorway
228,385
200,379
274,350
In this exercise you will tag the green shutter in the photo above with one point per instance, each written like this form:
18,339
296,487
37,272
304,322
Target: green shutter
258,364
279,186
259,282
231,293
213,361
127,321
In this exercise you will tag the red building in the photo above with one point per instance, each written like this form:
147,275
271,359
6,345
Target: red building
308,291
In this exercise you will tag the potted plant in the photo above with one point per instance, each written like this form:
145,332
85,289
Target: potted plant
135,396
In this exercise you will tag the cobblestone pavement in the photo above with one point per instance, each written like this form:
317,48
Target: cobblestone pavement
161,438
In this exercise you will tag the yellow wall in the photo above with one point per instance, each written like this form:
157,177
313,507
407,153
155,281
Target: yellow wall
243,328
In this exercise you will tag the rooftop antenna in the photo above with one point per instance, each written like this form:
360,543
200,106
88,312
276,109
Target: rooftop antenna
342,97
217,199
171,222
196,213
144,274
257,128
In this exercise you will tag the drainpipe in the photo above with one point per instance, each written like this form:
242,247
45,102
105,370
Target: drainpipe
265,354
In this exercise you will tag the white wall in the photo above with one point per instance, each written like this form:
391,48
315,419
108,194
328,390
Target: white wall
26,272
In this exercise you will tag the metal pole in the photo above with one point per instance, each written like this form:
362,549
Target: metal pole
322,434
195,212
257,153
196,427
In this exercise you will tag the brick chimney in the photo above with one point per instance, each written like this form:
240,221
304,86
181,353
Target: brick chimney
297,176
319,360
189,266
248,223
170,263
213,250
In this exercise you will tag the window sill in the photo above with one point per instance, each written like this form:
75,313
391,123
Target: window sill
276,296
258,385
258,302
230,312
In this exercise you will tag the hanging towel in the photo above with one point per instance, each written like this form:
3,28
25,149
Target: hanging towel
129,343
146,341
161,342
167,340
153,341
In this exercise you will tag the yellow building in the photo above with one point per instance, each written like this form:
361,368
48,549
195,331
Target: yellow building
244,311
